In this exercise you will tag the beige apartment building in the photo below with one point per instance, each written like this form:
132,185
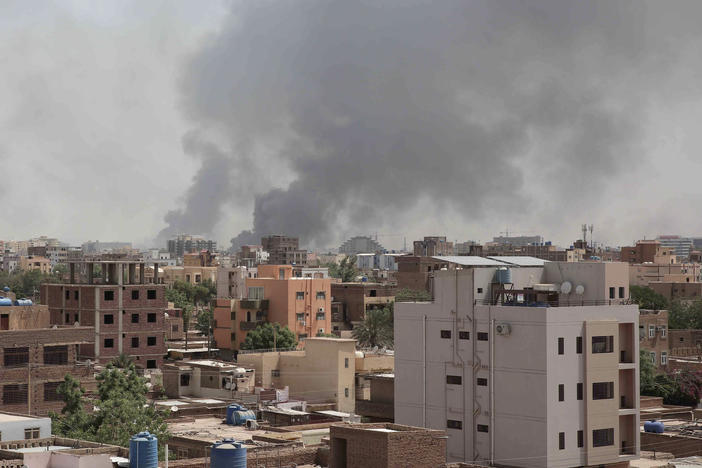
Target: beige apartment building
643,274
321,373
517,376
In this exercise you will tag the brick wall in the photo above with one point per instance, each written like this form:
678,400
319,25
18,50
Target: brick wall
679,446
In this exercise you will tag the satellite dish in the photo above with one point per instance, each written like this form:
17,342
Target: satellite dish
174,409
566,287
579,289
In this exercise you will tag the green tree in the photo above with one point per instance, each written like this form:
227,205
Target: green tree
647,298
123,361
73,422
412,295
376,329
345,270
269,336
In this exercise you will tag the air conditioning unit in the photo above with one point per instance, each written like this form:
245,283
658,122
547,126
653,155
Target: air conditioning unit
503,329
321,310
321,330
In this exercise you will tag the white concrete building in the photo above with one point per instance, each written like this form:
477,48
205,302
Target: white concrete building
21,427
517,376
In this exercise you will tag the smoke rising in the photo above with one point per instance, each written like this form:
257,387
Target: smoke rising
331,117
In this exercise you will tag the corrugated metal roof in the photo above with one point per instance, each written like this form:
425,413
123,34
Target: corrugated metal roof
520,261
470,260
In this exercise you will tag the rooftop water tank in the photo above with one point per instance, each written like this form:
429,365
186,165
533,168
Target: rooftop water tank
143,451
6,289
503,275
230,412
654,426
23,302
228,454
5,301
243,415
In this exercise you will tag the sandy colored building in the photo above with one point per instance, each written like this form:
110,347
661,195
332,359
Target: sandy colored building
353,300
682,291
321,373
648,251
206,378
653,336
642,274
33,262
520,377
189,274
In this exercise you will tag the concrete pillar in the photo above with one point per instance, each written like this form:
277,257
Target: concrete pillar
72,269
90,273
155,273
104,273
120,274
141,273
132,273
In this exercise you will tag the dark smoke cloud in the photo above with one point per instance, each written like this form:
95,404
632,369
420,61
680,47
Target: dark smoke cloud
339,115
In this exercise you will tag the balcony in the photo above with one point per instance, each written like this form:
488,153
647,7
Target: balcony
246,326
251,304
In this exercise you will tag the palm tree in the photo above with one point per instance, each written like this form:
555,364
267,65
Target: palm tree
123,361
375,330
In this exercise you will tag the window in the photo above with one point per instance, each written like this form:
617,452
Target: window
16,356
346,362
256,292
151,364
14,394
482,382
151,294
174,328
482,428
135,342
109,295
109,343
580,391
561,441
68,318
75,295
602,390
320,316
184,380
561,346
346,392
31,433
373,293
664,331
664,358
76,318
445,333
453,424
482,336
51,391
68,294
578,345
151,317
275,373
108,319
463,335
621,292
453,379
135,318
651,331
302,336
561,392
56,355
602,437
611,293
602,344
480,290
151,341
653,357
135,294
581,441
300,317
300,295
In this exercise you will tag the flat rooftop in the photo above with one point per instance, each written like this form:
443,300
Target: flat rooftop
211,429
12,417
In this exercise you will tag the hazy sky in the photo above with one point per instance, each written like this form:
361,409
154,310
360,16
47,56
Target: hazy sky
134,120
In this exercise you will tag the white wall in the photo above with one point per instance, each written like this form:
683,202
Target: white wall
14,430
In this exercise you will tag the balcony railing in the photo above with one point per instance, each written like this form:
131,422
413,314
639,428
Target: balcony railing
246,326
553,303
254,304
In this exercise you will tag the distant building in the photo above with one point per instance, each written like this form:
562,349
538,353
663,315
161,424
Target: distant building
284,250
98,247
184,243
360,244
468,248
252,255
653,336
649,251
678,291
206,378
351,301
433,245
518,241
31,263
681,245
643,274
231,281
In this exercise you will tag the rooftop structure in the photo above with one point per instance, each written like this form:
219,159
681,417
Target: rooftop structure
185,243
681,245
284,250
433,245
360,244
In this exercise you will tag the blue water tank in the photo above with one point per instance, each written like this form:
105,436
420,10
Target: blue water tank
228,454
143,451
6,289
5,301
654,426
243,415
230,412
503,275
23,302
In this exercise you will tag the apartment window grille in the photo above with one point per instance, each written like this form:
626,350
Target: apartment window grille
446,334
151,294
108,319
463,335
300,295
321,295
602,390
14,394
51,391
275,373
15,357
56,355
602,344
482,336
454,424
482,382
453,379
483,428
602,437
31,433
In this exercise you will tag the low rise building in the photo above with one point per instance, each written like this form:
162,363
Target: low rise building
380,404
194,275
384,445
643,274
207,379
648,251
284,250
19,426
34,262
678,291
685,343
653,336
321,373
432,246
353,300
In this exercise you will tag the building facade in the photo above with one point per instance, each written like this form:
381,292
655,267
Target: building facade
653,336
284,250
184,243
433,245
360,244
126,313
508,380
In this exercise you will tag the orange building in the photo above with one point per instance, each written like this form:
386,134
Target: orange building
301,304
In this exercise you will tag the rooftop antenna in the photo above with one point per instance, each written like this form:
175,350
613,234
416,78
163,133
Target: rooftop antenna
592,239
584,229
